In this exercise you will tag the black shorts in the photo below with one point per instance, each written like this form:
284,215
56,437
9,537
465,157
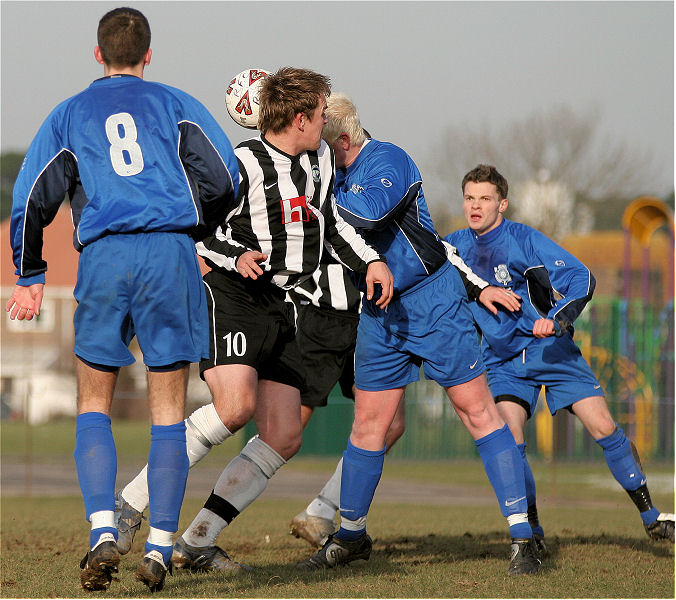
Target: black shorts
326,339
250,323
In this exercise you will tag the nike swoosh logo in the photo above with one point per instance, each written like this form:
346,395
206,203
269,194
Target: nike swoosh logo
474,364
267,187
508,503
596,387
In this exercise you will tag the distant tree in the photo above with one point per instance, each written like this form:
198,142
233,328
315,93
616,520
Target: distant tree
10,163
559,151
550,207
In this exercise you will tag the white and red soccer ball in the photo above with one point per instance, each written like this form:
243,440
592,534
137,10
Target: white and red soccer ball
242,97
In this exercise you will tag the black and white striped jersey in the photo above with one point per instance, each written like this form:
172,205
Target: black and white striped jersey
288,212
329,287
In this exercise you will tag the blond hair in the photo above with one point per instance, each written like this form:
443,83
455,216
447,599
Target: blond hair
342,117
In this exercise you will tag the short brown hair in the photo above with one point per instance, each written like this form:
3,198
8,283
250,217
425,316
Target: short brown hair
487,173
123,37
288,92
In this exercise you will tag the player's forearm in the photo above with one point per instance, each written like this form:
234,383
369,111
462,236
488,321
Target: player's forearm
222,253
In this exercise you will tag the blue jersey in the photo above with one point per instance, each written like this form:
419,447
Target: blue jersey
552,283
381,194
133,156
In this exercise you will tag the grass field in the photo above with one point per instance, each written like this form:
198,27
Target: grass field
422,550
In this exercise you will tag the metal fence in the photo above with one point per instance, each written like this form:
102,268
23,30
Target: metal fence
631,350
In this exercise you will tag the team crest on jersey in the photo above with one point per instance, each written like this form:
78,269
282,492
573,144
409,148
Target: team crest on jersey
295,210
356,189
316,174
502,274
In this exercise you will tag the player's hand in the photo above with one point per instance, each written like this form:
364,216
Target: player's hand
247,264
543,328
492,295
25,302
379,272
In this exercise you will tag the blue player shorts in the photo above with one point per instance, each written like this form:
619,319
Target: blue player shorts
555,363
145,284
429,325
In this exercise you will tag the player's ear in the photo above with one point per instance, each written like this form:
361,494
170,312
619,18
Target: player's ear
504,203
299,121
97,55
147,57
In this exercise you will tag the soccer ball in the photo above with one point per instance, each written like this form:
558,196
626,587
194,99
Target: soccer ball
241,97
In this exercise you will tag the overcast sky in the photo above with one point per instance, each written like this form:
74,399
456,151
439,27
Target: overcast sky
412,68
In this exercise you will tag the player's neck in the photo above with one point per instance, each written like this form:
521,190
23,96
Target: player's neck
351,154
137,70
286,142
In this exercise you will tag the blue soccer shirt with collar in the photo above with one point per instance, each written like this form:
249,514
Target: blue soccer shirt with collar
381,194
133,156
552,283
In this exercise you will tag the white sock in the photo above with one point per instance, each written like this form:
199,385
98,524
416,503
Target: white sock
207,525
136,491
351,525
159,537
327,501
241,482
209,424
102,518
203,430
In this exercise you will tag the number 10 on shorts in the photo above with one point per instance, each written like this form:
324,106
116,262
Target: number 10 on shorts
235,344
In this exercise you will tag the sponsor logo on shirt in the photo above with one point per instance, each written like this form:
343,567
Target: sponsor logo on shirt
356,189
386,182
295,210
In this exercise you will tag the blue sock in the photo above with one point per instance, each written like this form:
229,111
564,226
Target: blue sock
95,534
621,461
165,551
504,467
167,474
649,516
530,492
361,473
625,467
96,461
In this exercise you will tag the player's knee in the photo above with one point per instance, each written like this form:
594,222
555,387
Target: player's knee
602,429
285,445
293,446
235,412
